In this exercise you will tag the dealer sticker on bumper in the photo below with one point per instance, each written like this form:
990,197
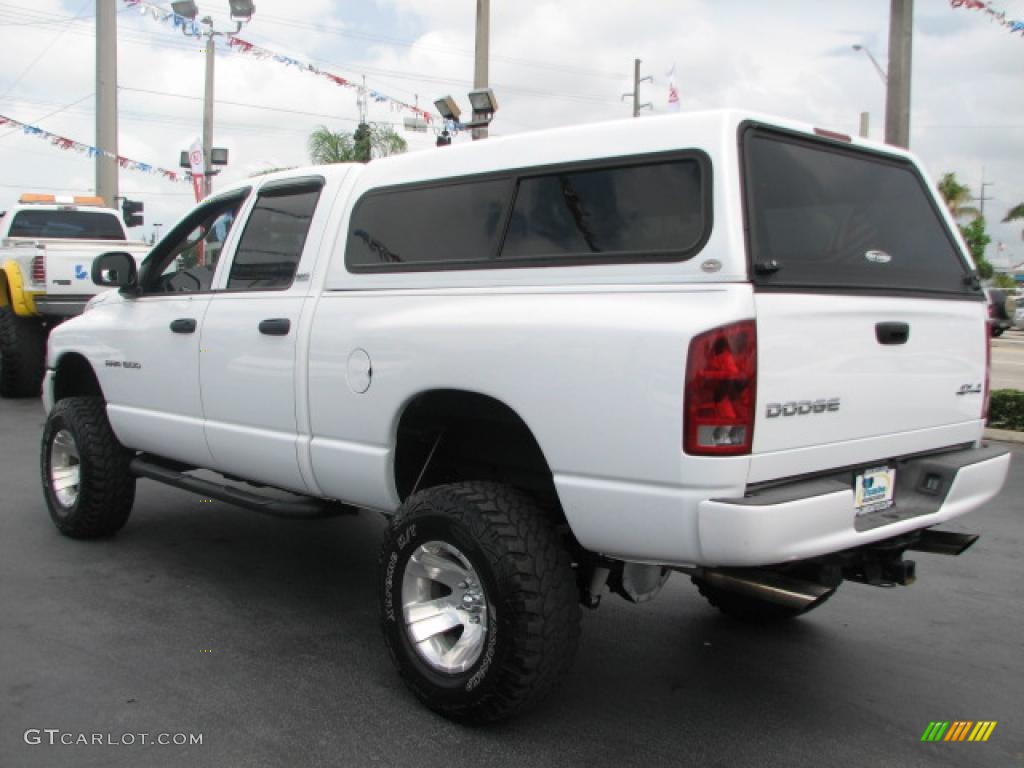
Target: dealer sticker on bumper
873,489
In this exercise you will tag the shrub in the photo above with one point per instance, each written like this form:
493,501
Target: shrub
1006,409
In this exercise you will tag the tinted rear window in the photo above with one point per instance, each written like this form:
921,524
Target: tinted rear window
73,225
836,218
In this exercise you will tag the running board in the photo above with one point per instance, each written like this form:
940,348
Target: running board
943,542
173,473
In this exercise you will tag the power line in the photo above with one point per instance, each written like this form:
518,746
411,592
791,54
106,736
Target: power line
49,114
43,52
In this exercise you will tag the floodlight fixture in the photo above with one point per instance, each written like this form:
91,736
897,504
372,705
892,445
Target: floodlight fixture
483,100
218,156
448,108
186,8
242,9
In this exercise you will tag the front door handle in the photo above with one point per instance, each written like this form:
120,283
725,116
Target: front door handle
892,333
275,326
183,325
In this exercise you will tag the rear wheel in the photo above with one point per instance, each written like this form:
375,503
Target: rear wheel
750,609
479,605
22,354
87,484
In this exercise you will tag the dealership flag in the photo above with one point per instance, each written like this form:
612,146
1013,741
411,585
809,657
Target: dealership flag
195,161
673,92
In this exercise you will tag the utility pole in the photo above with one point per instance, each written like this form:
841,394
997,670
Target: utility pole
897,95
106,101
637,106
483,37
982,198
208,111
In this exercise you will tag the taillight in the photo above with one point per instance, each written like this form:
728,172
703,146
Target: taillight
988,373
721,387
39,268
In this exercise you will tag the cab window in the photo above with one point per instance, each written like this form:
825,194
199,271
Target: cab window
185,260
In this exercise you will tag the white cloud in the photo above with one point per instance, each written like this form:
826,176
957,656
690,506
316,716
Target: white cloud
552,63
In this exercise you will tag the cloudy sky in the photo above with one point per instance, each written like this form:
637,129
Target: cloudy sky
553,62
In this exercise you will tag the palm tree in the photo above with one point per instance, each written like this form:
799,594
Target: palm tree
1017,212
957,197
367,142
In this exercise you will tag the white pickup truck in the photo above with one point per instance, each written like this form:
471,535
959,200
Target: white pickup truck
735,347
47,246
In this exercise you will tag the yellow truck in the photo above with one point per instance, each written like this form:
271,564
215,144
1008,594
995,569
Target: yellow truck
47,244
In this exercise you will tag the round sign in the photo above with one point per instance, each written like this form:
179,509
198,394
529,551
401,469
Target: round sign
195,157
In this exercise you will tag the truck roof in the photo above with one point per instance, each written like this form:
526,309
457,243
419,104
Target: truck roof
607,139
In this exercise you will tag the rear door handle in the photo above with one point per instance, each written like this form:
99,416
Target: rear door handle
183,325
892,333
275,326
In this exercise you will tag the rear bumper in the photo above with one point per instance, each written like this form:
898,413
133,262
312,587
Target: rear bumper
60,306
816,517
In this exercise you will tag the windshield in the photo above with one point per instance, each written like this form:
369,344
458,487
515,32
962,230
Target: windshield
70,225
831,217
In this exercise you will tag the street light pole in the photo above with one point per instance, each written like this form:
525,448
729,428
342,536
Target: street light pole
483,36
106,102
208,111
897,95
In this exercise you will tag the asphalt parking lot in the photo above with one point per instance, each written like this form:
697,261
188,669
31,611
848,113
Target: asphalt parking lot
261,635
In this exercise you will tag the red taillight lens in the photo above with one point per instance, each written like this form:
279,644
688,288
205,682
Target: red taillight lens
721,387
988,372
39,269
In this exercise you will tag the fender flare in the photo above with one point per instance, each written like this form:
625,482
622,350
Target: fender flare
22,302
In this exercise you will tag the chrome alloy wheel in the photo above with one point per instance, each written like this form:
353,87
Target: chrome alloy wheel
65,468
445,607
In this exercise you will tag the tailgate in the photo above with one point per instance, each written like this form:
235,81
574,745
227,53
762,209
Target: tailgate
846,368
872,336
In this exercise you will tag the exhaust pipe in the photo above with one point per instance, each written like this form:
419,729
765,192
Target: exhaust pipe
776,588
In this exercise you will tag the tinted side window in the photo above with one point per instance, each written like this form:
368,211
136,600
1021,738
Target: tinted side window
459,222
275,233
74,225
647,209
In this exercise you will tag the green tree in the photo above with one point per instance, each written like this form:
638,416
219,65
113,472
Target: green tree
977,239
368,141
957,197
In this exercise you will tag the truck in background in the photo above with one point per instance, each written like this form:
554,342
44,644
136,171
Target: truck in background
47,244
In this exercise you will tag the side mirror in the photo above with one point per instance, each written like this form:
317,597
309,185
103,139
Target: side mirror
115,269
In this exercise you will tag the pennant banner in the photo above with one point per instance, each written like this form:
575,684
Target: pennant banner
62,142
238,45
997,16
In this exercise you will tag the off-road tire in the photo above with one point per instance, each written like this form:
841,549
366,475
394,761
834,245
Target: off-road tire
106,486
22,354
750,609
533,616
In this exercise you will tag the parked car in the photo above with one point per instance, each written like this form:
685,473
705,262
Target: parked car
565,364
47,244
999,318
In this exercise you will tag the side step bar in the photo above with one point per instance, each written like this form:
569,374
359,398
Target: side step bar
299,508
943,542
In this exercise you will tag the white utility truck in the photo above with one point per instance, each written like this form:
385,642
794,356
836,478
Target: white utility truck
566,363
47,246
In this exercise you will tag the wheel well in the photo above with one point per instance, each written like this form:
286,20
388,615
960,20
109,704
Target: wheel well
447,436
75,377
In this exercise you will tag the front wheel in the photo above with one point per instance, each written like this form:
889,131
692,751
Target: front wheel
88,486
479,605
22,354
